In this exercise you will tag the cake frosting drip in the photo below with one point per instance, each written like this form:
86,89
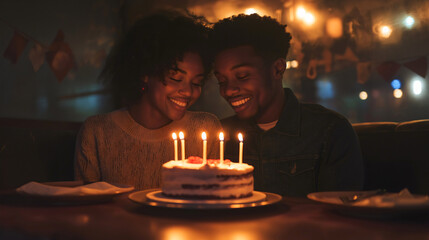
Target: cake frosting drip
191,178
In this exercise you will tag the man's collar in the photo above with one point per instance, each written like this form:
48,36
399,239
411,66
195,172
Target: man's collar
290,118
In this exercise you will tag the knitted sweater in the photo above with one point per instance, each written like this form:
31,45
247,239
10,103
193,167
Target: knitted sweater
114,148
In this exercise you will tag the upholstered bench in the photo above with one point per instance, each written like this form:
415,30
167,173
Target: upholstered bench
396,155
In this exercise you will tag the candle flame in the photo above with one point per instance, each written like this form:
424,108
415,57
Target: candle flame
204,136
181,136
221,138
240,137
174,136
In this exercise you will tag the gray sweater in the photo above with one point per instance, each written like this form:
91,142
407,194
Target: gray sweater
114,148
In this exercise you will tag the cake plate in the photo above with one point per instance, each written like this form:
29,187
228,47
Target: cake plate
154,197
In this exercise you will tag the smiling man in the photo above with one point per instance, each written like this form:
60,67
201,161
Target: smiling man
296,148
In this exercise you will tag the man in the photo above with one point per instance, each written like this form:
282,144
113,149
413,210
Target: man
295,148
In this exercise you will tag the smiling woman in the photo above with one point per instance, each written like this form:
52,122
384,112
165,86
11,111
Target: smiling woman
157,70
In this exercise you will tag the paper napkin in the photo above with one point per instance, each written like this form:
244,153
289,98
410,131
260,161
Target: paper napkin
97,188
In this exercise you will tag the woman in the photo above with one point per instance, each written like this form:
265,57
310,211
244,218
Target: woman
157,70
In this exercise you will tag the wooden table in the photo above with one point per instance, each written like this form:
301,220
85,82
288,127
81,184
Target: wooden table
292,218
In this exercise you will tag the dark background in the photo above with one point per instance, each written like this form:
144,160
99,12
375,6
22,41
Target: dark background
90,28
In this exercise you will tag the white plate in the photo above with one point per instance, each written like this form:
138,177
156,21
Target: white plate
418,207
154,197
66,199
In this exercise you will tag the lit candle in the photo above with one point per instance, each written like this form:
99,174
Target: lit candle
221,147
240,153
204,136
175,147
182,140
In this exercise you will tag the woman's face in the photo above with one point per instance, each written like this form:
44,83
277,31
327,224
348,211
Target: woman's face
181,87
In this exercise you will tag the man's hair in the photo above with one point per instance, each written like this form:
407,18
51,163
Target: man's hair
267,36
151,47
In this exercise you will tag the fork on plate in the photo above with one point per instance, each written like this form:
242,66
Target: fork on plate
347,199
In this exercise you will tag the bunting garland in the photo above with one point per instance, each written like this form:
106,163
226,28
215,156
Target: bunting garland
15,48
419,66
58,55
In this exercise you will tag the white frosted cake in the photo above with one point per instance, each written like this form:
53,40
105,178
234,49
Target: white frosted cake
192,179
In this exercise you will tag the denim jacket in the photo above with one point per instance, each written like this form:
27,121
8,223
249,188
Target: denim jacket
310,149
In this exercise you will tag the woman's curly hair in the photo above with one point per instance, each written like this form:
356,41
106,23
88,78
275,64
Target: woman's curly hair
268,37
151,47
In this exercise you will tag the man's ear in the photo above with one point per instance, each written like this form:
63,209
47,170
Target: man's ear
278,68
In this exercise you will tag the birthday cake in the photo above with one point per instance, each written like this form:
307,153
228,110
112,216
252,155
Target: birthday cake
214,180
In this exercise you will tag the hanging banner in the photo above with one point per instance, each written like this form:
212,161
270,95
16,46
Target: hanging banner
37,56
388,70
60,57
16,47
419,66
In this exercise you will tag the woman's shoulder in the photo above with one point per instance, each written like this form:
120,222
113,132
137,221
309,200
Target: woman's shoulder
103,119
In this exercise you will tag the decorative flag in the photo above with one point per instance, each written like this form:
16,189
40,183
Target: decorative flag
419,66
37,56
16,47
388,70
60,57
363,70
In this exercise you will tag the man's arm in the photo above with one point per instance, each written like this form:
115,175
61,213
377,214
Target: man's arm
342,166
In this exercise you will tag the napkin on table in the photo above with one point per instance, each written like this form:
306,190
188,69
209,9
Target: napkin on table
403,198
96,188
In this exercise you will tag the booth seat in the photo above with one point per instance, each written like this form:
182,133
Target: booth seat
396,154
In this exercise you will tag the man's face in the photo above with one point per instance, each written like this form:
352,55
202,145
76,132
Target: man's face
246,82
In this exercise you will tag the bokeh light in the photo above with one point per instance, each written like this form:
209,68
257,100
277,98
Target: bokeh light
396,84
294,64
397,93
250,11
417,87
334,27
309,19
300,12
385,31
363,95
409,22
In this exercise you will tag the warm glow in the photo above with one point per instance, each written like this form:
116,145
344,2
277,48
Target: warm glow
287,64
221,138
334,27
250,11
174,136
409,22
181,136
397,93
385,31
294,63
204,136
240,137
300,12
363,95
309,19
